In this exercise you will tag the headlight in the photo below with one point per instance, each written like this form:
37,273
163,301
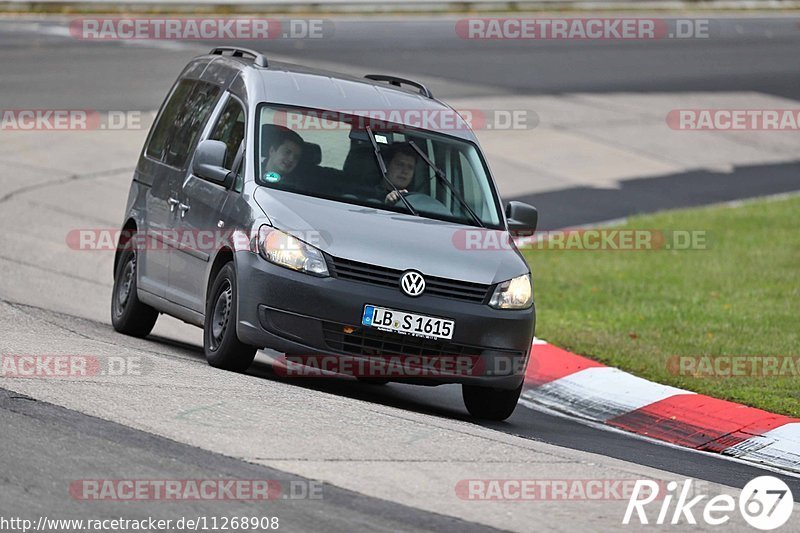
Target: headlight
515,293
287,251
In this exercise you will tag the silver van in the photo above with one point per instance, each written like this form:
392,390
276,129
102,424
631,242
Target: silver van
323,215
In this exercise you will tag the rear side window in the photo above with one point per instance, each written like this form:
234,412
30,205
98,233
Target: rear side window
181,122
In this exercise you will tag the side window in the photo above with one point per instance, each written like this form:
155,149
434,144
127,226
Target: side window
158,142
179,126
230,130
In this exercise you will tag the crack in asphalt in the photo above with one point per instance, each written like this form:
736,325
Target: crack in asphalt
67,212
22,164
53,271
62,181
24,398
23,308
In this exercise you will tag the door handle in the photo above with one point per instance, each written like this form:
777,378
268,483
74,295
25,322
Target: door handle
173,202
184,208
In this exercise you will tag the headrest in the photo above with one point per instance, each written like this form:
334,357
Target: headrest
360,166
270,133
312,154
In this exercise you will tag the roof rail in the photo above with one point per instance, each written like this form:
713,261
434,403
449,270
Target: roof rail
258,58
397,82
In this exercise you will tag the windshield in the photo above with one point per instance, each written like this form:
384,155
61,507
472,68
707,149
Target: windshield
332,155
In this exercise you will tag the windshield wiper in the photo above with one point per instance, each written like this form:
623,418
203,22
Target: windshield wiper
440,174
382,166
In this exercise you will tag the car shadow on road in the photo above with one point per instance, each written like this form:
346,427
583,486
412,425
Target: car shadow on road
441,400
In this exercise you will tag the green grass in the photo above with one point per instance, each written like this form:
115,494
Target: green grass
636,309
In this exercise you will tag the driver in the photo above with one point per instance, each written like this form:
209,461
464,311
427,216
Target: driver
400,171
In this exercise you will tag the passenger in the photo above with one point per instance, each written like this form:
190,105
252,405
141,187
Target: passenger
284,154
402,162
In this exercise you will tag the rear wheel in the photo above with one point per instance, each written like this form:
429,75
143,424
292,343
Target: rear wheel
128,314
222,347
488,403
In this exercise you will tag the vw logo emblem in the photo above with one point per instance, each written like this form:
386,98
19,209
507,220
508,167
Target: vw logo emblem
412,283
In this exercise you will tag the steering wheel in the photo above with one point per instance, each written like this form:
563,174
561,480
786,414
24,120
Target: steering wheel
422,202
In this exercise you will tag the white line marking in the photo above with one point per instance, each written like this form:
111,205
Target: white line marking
601,393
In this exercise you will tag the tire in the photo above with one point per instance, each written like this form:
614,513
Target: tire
128,315
220,343
490,404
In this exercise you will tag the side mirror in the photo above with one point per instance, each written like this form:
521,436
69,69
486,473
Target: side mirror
209,159
522,218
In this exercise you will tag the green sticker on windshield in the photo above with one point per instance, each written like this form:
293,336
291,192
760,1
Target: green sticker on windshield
272,177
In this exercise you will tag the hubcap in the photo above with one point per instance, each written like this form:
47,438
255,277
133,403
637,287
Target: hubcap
221,315
124,284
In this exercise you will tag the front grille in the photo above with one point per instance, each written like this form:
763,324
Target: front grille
364,341
389,277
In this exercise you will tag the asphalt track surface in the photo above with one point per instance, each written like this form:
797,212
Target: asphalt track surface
755,55
43,69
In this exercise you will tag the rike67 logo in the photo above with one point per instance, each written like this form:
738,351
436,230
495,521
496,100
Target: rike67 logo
766,503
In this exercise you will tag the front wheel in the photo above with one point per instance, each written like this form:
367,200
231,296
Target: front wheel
488,403
220,343
128,315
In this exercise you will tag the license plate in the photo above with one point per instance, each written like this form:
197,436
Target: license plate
407,323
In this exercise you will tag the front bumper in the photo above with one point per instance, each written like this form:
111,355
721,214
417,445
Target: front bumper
297,313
